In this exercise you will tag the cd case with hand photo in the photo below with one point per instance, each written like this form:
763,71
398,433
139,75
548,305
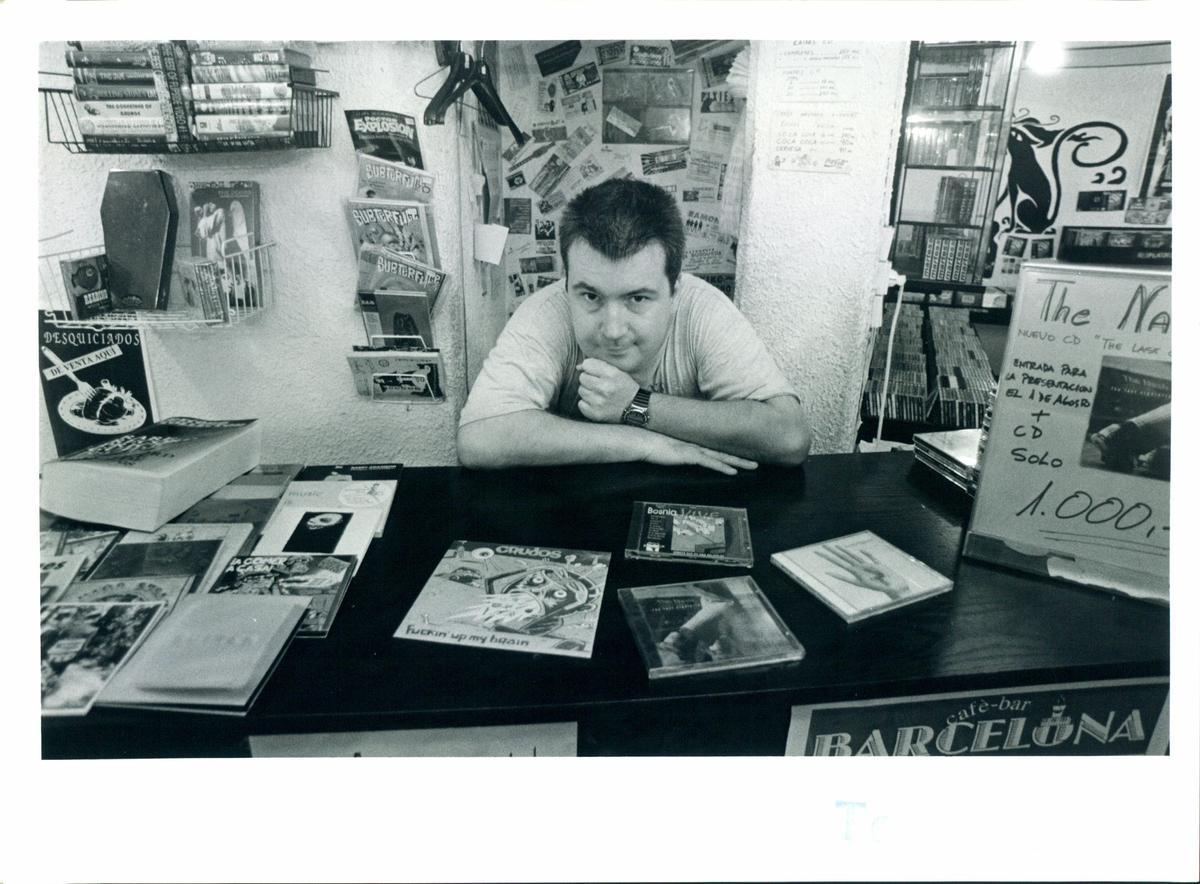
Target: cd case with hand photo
861,575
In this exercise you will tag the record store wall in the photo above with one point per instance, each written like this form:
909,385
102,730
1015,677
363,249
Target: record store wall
288,367
806,214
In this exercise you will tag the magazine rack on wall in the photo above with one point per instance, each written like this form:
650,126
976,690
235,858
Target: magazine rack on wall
250,289
312,109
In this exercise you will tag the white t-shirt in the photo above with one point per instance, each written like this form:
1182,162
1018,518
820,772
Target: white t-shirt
711,352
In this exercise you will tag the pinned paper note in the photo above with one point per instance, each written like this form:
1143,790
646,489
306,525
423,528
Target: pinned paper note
489,242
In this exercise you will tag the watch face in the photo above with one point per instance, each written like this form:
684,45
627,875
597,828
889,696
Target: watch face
635,416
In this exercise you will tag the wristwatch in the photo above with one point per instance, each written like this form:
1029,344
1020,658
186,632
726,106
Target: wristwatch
637,412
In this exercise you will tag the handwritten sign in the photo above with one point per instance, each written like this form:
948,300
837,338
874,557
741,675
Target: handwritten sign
818,88
1076,476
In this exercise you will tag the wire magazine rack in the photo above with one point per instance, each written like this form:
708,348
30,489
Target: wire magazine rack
247,280
312,120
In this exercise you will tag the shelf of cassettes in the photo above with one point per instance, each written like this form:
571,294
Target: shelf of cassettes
312,118
247,281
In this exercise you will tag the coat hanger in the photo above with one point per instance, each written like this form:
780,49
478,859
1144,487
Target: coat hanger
467,72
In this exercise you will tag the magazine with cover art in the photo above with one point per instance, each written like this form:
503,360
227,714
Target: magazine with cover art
366,494
176,550
226,223
388,375
403,226
339,531
387,135
95,382
398,320
382,179
83,645
511,597
382,270
718,535
322,579
128,589
707,626
58,572
861,575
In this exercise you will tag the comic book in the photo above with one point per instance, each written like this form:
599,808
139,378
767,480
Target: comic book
399,225
392,375
511,597
321,578
382,270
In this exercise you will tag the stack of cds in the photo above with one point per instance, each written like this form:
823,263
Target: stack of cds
953,455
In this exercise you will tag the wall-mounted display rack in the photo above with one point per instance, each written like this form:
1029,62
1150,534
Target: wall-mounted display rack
312,113
247,279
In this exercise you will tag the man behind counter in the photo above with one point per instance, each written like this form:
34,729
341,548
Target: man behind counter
627,359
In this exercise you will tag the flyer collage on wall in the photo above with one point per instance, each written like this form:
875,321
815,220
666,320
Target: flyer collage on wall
662,112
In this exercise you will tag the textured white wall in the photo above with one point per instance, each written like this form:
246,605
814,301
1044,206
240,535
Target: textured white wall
805,268
288,367
809,243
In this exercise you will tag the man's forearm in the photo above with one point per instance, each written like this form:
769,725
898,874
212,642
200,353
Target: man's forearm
539,438
773,431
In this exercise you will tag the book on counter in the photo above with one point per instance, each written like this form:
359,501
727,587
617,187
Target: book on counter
516,598
340,531
165,589
681,532
391,375
707,626
861,575
58,572
89,542
344,472
404,226
143,479
176,550
83,645
252,497
373,495
213,654
387,135
321,579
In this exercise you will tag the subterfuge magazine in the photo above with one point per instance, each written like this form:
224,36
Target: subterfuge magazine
517,598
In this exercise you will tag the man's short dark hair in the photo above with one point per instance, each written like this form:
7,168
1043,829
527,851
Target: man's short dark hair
620,217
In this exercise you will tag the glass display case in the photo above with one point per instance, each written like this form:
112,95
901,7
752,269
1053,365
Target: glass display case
957,108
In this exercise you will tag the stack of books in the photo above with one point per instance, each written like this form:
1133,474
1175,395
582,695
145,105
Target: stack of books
131,95
291,536
951,454
244,90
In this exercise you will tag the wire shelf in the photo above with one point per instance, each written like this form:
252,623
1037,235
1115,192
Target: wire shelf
312,120
247,280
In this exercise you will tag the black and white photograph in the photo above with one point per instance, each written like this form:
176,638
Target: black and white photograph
801,391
